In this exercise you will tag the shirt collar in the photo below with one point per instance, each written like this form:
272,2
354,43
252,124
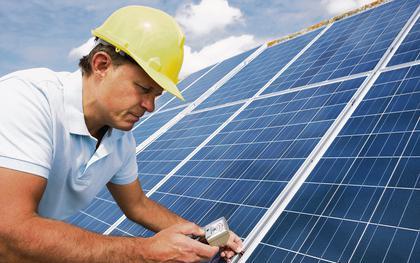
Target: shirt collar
75,119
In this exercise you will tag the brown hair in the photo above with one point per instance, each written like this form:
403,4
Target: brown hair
116,58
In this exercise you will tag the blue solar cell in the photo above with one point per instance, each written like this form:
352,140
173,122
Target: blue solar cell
208,80
229,178
150,125
361,201
409,50
350,46
253,76
384,244
173,146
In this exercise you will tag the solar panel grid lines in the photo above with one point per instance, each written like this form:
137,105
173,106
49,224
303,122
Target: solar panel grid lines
260,96
385,190
169,175
180,140
351,46
378,221
405,33
286,196
409,50
261,229
223,72
254,208
252,77
306,87
257,94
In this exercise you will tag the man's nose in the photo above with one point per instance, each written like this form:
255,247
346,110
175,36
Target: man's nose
149,103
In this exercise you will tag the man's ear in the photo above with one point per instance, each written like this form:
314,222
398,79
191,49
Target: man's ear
101,63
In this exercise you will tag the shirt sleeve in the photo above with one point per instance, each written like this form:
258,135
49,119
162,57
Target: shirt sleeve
26,127
128,172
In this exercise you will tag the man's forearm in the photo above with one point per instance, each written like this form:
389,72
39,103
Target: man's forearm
42,240
155,216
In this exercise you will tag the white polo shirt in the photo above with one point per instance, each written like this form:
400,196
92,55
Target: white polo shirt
43,132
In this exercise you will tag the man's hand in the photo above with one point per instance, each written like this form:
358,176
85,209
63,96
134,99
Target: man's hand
233,247
173,245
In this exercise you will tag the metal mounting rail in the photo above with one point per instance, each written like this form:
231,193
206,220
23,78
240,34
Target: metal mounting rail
403,65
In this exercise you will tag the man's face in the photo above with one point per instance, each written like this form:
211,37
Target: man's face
126,93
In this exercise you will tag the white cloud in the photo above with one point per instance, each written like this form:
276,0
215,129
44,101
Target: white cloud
336,7
207,16
83,50
218,51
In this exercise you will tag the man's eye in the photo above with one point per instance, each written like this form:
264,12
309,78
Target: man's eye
144,89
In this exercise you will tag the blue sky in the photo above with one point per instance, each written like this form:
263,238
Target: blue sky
53,34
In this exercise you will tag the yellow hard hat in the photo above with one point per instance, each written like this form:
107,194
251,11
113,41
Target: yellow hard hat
152,38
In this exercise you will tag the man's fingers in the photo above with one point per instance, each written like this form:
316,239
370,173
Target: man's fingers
227,253
234,243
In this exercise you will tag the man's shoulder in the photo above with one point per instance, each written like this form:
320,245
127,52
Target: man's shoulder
36,84
37,76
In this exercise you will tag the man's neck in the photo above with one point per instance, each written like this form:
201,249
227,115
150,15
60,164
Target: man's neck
100,134
92,116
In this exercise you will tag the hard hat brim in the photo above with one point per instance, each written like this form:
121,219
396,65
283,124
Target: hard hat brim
163,81
160,79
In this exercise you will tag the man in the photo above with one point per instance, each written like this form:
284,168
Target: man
64,136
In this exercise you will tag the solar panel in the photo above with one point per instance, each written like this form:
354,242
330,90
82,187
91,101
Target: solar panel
246,165
253,76
237,150
350,46
360,204
409,50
